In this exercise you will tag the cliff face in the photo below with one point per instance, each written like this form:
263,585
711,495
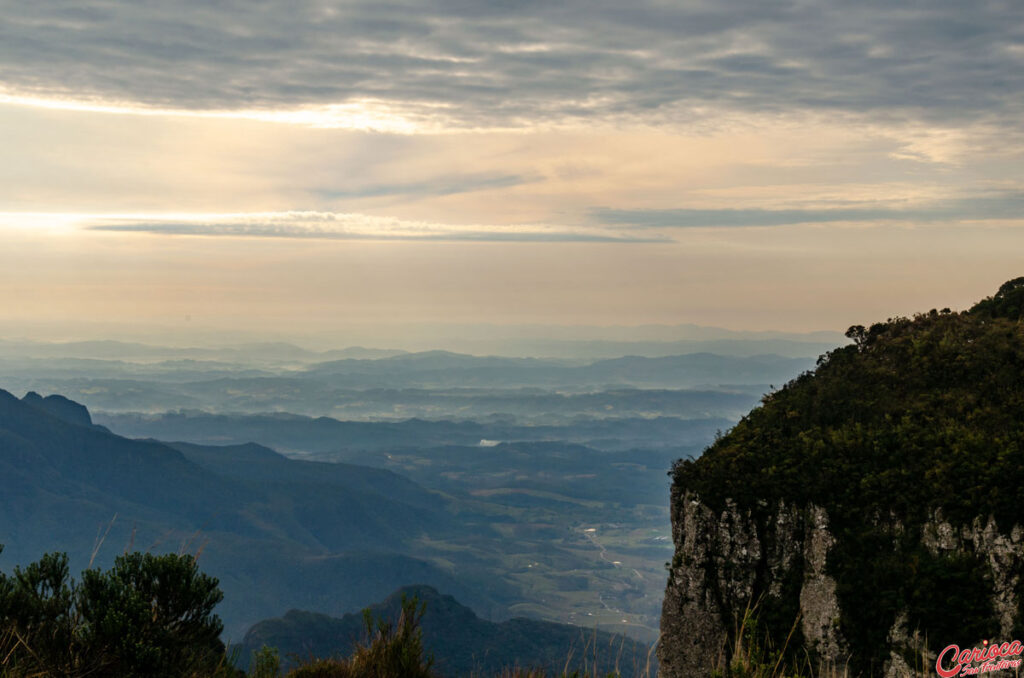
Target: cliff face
726,562
869,513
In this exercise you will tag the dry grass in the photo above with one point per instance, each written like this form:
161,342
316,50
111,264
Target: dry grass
754,655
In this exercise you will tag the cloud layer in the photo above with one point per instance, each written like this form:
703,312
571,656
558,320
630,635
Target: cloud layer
330,226
988,208
461,64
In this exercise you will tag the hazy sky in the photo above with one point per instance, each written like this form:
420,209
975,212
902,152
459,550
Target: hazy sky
297,167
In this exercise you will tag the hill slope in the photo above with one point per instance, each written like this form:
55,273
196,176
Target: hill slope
461,643
276,531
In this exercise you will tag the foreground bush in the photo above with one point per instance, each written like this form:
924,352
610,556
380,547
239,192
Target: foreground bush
391,650
152,617
147,616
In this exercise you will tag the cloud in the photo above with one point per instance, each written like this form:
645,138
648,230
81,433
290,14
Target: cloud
401,65
451,185
1002,207
334,226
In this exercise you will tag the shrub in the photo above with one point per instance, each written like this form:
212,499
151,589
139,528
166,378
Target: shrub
391,650
147,616
266,663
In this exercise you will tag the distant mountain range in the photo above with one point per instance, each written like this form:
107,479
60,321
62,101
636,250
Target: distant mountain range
461,643
126,350
358,383
299,434
443,369
581,342
429,369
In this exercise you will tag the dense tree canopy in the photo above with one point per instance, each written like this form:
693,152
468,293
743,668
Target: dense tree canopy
917,414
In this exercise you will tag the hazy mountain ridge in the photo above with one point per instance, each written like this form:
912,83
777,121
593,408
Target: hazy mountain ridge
312,398
429,385
273,352
685,368
561,342
441,369
299,434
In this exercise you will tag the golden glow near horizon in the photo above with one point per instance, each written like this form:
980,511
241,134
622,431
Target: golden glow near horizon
362,115
502,182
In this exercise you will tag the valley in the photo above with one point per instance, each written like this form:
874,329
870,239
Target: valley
525,487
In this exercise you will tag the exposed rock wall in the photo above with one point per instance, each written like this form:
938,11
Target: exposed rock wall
819,606
1004,554
726,561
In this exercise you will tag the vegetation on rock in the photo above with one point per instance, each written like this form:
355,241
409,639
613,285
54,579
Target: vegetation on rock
917,415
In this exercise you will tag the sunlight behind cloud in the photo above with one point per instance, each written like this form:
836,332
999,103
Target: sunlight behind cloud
41,223
363,114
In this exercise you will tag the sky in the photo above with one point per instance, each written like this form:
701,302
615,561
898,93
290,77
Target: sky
297,169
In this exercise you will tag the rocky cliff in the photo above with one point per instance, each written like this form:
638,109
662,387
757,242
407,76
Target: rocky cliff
728,561
869,513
